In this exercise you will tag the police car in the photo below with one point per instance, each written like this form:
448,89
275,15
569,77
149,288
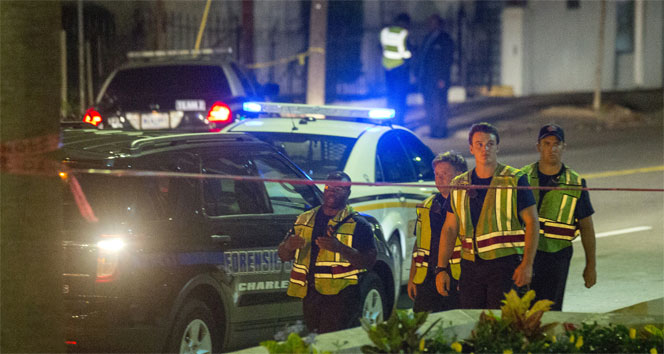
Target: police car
363,143
164,254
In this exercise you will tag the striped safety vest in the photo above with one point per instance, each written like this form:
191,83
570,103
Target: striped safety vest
423,245
332,272
393,40
558,227
499,232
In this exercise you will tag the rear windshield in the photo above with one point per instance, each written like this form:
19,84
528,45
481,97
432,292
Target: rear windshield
317,155
110,199
181,81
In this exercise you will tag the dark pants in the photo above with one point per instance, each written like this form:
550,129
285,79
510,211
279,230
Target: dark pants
550,276
397,81
428,298
435,103
329,313
483,284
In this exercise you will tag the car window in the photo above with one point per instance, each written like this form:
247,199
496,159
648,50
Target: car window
286,198
395,165
223,196
420,155
182,81
317,155
126,199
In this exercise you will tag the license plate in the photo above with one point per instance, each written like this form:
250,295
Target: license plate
154,121
189,105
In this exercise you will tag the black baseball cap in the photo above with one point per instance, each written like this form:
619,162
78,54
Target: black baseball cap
551,129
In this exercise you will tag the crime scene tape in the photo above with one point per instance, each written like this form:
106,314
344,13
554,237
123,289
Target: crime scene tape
300,57
145,173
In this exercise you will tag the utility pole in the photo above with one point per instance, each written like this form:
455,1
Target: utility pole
81,59
31,258
317,43
597,98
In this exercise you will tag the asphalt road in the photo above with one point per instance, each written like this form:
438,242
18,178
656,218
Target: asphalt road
629,225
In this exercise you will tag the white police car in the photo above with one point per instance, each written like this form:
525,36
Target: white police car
362,143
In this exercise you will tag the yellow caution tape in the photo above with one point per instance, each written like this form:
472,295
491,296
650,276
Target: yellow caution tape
300,57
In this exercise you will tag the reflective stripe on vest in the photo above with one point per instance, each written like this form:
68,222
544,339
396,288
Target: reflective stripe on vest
332,272
393,41
499,232
558,227
422,255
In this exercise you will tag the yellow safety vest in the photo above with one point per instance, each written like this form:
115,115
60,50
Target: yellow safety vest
558,227
423,245
499,232
332,272
393,40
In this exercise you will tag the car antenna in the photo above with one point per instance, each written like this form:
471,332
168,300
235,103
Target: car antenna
294,126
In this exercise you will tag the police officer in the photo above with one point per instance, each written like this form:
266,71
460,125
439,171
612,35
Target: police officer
563,214
331,244
435,63
394,40
430,219
497,254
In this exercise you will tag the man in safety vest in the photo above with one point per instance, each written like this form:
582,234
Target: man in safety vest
430,219
488,213
563,215
330,245
396,55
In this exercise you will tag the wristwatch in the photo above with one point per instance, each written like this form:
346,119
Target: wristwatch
439,269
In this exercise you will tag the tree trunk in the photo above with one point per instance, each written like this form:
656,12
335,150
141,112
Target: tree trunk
31,305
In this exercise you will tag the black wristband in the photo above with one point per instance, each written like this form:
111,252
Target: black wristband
439,269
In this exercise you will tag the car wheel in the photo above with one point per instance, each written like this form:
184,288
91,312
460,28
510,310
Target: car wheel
373,300
395,248
195,330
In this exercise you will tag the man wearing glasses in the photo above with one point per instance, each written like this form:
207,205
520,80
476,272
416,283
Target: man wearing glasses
489,214
563,215
331,244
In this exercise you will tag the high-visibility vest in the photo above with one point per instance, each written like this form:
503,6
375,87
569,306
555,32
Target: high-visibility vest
499,232
332,272
393,41
558,226
421,256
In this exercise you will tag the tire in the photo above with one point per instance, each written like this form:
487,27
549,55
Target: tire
372,298
395,249
195,330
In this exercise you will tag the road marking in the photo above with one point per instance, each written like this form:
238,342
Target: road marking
623,172
620,232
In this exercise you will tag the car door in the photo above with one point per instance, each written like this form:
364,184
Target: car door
240,221
287,200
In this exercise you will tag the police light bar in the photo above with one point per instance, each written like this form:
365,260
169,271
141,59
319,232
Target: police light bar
177,52
323,110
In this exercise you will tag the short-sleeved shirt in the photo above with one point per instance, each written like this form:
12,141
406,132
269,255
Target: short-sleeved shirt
525,197
583,208
362,238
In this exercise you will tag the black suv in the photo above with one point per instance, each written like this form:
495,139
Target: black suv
172,90
164,255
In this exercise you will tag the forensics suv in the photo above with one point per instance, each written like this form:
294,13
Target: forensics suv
165,253
179,89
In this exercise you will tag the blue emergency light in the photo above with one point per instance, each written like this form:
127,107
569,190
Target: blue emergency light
318,110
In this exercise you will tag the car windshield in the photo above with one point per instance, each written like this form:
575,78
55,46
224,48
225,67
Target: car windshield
317,155
182,81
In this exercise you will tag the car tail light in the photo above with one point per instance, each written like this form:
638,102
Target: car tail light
92,117
108,257
219,113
